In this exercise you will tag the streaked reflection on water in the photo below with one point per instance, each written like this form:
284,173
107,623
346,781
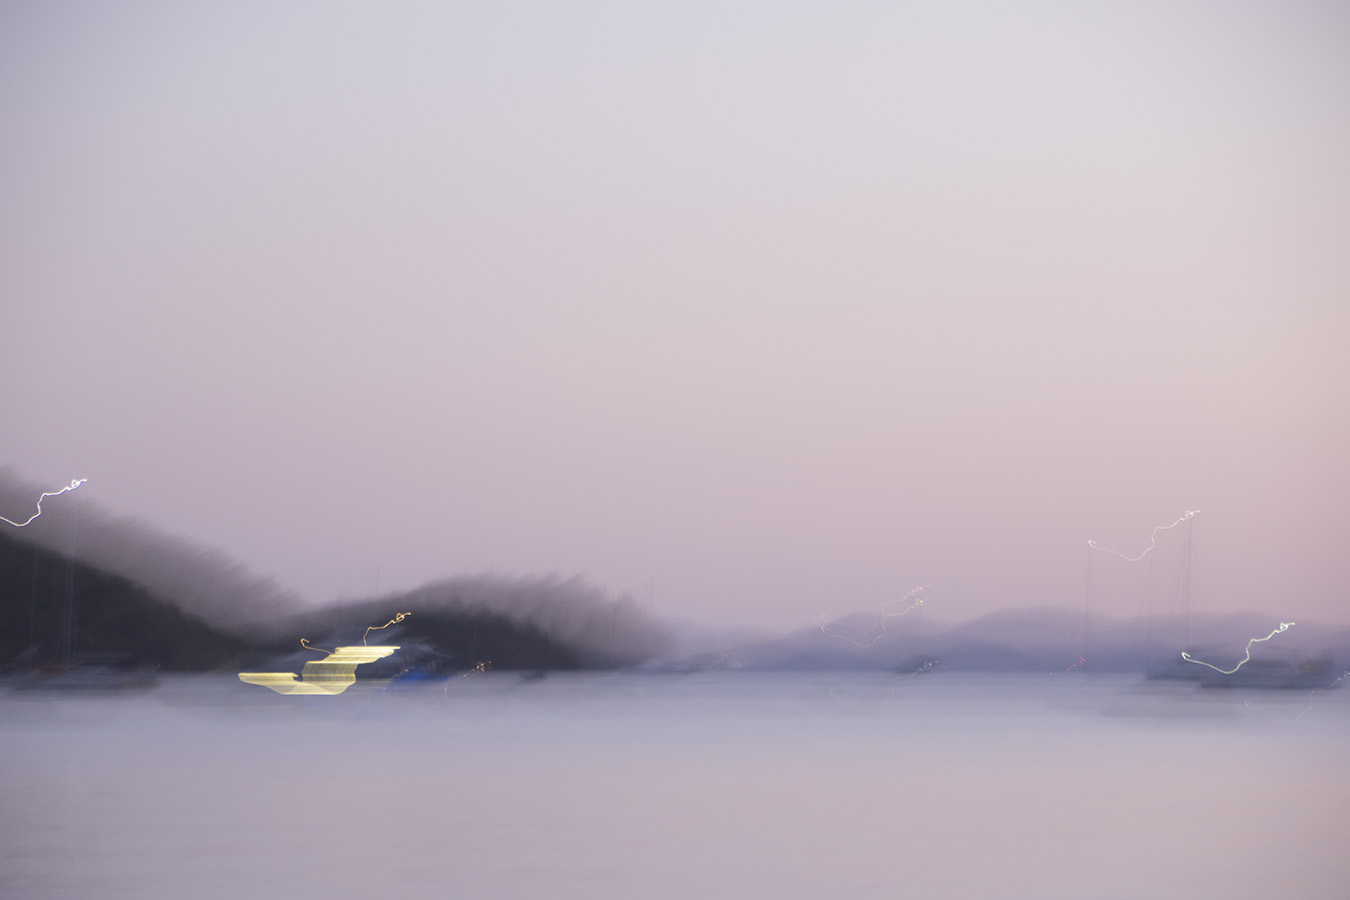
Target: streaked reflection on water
708,785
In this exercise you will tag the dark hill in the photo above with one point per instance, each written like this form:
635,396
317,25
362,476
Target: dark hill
57,611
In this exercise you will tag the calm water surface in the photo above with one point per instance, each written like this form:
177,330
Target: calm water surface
708,785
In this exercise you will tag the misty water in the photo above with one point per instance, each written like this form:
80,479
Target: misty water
705,785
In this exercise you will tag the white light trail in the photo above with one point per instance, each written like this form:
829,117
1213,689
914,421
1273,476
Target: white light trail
878,629
1153,539
1284,626
70,487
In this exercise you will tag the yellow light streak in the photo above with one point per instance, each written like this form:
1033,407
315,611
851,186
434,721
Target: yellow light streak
329,676
70,487
1153,539
1284,626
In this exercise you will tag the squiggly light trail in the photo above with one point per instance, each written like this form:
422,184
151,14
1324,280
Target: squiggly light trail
1152,542
398,618
1284,626
70,487
915,593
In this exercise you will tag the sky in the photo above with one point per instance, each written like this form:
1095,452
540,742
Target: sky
758,311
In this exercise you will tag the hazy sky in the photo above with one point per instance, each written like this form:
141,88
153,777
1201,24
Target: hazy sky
797,307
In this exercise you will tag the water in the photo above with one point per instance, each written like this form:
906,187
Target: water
645,786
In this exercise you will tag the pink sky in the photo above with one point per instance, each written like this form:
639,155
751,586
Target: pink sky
795,309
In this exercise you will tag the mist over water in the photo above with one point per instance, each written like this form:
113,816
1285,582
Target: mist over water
622,785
